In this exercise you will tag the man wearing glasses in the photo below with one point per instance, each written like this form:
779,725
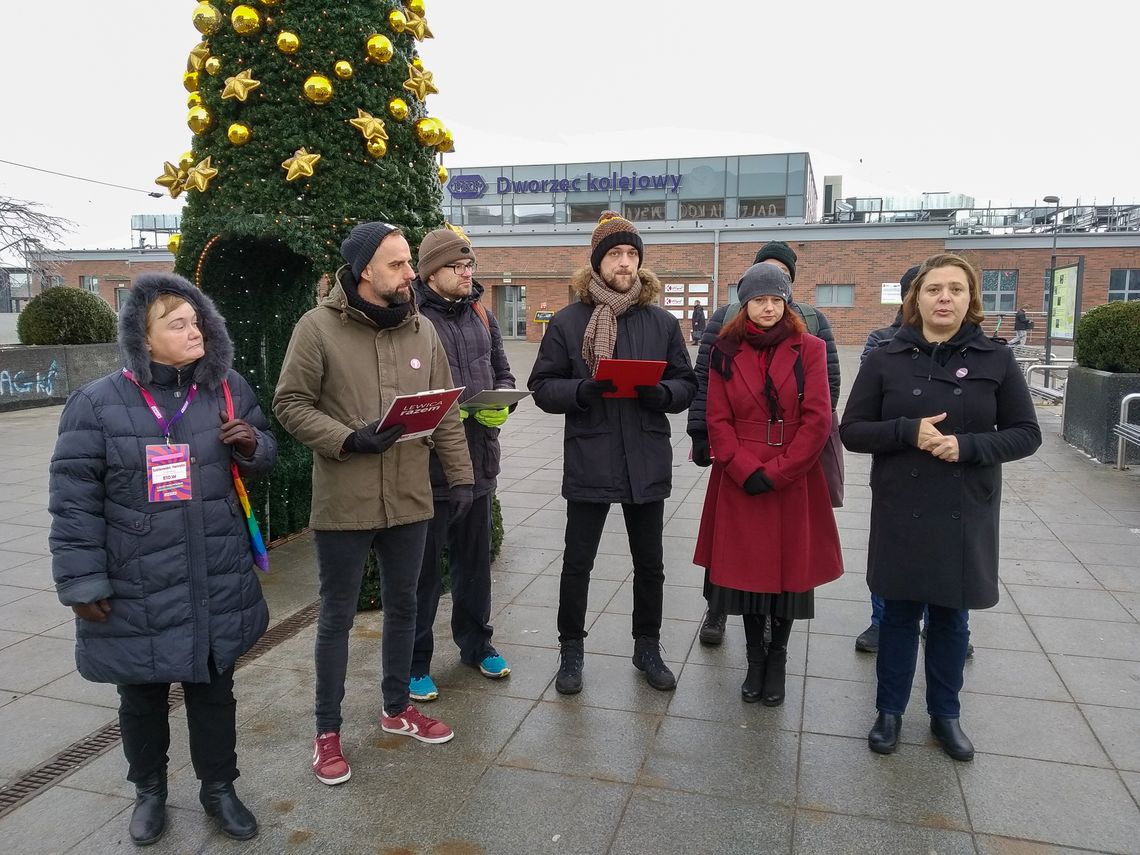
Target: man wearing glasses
448,295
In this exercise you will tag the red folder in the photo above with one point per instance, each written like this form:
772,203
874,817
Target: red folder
628,373
421,413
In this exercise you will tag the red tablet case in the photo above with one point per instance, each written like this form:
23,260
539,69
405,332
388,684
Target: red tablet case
628,373
420,413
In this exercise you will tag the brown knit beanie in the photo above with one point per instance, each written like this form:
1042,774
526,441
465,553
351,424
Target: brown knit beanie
613,230
440,247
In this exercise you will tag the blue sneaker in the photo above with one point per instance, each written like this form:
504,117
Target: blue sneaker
494,666
422,688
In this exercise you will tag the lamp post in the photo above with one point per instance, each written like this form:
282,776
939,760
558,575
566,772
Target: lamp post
1055,201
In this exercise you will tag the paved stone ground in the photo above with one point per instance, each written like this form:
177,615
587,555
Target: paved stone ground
1052,698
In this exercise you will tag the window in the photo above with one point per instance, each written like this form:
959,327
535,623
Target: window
587,213
89,284
999,290
702,209
543,213
771,206
121,294
1124,284
644,211
483,215
53,281
835,295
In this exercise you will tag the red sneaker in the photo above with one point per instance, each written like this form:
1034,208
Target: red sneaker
329,764
411,722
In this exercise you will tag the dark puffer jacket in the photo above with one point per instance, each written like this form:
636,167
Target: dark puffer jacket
179,575
696,423
478,362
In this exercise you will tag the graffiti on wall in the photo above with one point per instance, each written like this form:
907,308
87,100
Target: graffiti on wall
20,383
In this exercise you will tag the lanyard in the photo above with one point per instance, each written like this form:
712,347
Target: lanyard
165,426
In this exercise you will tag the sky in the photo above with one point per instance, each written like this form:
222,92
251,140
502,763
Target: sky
1005,100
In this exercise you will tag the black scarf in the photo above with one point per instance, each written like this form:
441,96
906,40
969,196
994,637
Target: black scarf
765,342
384,317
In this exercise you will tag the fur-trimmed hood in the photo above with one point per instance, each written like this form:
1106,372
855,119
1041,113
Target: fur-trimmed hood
650,286
211,368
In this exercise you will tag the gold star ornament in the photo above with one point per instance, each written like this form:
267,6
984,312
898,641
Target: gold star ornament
419,83
199,176
172,178
198,57
368,125
300,165
240,85
458,230
417,26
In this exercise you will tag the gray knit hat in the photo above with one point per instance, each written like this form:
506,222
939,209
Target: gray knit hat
761,280
361,244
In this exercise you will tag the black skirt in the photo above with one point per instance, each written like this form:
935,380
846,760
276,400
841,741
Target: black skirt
789,605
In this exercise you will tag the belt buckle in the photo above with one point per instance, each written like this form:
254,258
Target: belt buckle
780,441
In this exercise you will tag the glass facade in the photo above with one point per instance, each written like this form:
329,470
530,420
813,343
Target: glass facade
737,188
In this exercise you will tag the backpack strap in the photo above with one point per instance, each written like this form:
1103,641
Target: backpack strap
810,316
733,311
481,311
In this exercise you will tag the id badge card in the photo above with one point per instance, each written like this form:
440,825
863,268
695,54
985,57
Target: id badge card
168,473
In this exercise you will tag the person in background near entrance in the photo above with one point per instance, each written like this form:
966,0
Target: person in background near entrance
448,295
616,449
767,537
781,255
697,323
1021,327
348,359
940,407
160,573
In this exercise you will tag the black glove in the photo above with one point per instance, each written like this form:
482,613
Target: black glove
366,441
757,483
701,455
459,501
654,397
95,612
590,391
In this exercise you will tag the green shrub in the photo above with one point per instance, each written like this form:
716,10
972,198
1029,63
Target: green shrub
1108,338
66,316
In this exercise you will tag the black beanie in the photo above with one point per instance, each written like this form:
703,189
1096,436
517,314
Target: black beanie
361,244
907,279
779,251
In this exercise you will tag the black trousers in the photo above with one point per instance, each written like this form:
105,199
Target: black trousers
468,544
211,713
643,526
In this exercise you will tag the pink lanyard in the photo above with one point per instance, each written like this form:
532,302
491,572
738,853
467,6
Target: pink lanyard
165,426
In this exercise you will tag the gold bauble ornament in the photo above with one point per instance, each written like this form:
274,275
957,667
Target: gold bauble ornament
240,85
318,89
418,27
288,42
237,133
416,6
199,177
270,2
246,20
198,57
190,81
419,83
186,160
429,131
174,244
200,120
442,173
398,108
447,143
300,165
206,18
377,147
379,48
397,21
194,99
343,69
171,178
213,65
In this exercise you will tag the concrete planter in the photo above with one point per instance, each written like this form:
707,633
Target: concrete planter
39,376
1092,407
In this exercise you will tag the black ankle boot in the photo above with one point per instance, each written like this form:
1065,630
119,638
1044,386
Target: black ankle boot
752,688
148,820
774,676
884,735
221,802
569,679
712,630
950,736
647,658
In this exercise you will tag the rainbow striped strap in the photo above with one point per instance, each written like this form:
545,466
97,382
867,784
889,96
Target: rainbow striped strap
260,553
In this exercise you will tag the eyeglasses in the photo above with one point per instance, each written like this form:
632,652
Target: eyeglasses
461,268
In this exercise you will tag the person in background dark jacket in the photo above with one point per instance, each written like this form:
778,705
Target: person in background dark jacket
697,323
784,257
162,582
616,449
1020,327
940,407
448,296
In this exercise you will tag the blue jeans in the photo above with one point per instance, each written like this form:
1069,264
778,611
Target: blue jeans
947,635
877,611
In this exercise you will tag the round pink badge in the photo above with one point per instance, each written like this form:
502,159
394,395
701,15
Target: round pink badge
962,372
415,363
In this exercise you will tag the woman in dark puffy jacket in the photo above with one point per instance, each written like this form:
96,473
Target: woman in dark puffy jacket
150,545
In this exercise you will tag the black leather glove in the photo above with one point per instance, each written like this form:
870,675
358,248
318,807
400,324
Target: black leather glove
366,441
757,483
701,455
95,612
459,501
590,391
654,397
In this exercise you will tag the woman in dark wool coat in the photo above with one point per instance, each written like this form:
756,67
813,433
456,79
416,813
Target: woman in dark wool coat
940,407
149,542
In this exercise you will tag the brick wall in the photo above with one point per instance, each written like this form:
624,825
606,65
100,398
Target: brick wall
111,274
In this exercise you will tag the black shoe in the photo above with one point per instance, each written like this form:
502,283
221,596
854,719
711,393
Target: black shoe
884,735
774,677
712,630
647,658
752,689
569,679
969,651
221,802
950,736
148,819
868,640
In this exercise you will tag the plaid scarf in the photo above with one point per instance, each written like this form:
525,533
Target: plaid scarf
601,332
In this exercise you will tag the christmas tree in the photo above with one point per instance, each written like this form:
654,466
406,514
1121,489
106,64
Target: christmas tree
307,118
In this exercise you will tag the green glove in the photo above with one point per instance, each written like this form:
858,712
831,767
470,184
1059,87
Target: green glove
463,414
492,418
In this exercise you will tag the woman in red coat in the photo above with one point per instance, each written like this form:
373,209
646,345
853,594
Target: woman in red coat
767,535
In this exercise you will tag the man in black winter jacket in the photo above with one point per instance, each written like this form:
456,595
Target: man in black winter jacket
783,256
448,295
